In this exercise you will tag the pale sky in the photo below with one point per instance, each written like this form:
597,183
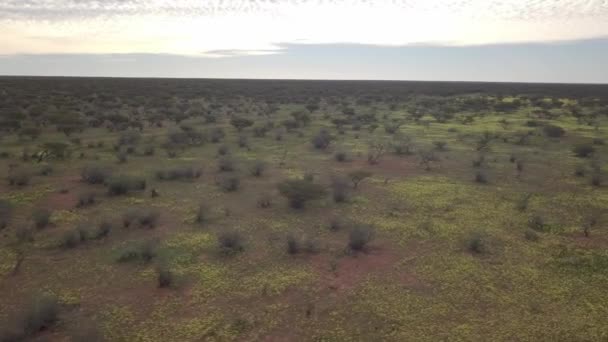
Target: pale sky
224,29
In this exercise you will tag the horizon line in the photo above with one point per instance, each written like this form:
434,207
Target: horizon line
303,79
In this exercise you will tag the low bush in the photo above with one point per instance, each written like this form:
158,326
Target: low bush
6,211
103,230
230,242
340,189
223,150
360,236
336,224
41,218
264,201
341,156
229,183
596,179
19,177
122,185
164,277
554,131
95,174
583,150
531,235
24,235
46,170
476,244
144,252
296,245
40,315
225,164
70,239
179,173
322,139
86,199
537,223
243,141
299,191
258,168
480,177
203,213
440,145
580,170
142,217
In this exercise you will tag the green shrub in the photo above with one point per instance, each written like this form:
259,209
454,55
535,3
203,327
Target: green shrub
229,183
230,242
46,170
258,168
440,145
293,244
24,235
341,156
297,245
522,203
583,150
360,236
223,150
225,164
476,244
121,185
580,170
86,199
336,224
322,139
95,174
537,223
340,189
265,200
164,277
41,314
144,251
299,191
103,230
554,131
6,211
19,177
41,218
72,238
596,179
243,141
143,217
531,235
203,213
179,173
480,177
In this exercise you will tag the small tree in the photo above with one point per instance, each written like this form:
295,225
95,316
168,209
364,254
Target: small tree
299,191
377,149
240,123
427,158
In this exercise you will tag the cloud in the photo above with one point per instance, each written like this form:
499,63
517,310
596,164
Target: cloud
224,28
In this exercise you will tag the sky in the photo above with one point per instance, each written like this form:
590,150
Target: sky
454,40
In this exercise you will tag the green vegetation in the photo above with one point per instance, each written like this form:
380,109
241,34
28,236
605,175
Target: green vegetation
161,210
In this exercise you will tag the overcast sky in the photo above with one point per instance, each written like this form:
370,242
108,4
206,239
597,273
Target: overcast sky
481,40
